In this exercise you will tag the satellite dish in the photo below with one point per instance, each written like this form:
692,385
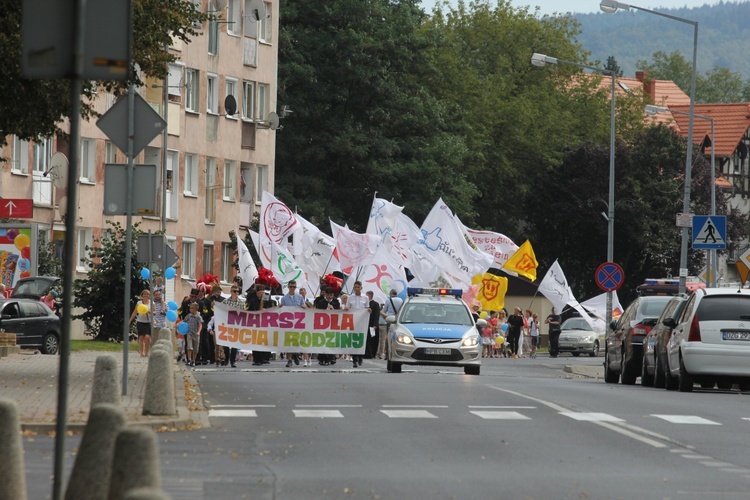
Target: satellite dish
272,122
62,205
230,105
58,170
257,10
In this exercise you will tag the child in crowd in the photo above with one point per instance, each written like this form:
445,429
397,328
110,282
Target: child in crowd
195,325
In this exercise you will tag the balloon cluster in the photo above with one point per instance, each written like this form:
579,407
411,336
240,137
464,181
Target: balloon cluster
22,242
169,273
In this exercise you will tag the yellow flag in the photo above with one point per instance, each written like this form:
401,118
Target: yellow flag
523,262
492,290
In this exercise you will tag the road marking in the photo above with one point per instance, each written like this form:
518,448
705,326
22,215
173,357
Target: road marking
318,414
505,407
500,415
686,419
231,413
243,406
408,414
415,406
591,417
328,406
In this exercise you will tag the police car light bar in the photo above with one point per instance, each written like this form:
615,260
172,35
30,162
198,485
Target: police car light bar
456,292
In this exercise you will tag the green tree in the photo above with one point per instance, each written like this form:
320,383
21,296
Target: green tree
613,66
33,108
100,293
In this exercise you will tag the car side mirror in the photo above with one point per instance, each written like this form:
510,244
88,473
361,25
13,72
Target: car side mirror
390,319
481,323
669,323
613,325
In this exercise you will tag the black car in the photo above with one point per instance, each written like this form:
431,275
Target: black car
654,370
624,343
34,324
34,287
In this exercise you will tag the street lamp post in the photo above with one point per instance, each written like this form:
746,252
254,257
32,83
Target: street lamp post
541,60
653,110
612,6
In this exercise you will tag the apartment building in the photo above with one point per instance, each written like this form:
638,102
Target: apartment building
215,164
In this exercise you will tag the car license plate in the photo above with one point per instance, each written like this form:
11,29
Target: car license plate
439,352
734,335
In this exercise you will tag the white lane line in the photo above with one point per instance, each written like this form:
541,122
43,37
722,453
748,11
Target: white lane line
686,419
318,414
414,406
243,406
716,463
500,415
328,406
694,456
231,413
408,414
591,417
504,407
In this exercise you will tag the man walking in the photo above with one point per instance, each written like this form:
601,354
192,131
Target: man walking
358,301
292,299
554,320
390,308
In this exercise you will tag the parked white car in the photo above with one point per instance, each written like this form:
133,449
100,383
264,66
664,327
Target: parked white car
710,343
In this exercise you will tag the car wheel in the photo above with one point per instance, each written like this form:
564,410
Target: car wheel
684,380
725,385
647,379
595,351
50,344
670,381
471,370
707,384
575,354
610,377
388,365
627,374
744,385
659,376
395,367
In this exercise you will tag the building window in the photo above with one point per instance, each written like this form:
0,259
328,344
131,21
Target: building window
230,187
208,257
234,26
87,168
42,155
110,152
246,183
213,31
227,259
192,85
199,8
212,95
265,25
191,175
263,101
261,182
20,162
172,182
188,258
175,83
85,238
211,185
250,28
248,100
230,87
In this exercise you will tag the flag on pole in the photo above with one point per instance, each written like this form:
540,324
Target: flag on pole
353,249
498,245
555,287
382,220
523,262
492,290
277,222
248,271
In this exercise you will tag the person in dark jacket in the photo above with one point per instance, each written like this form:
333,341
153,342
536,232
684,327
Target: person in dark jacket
515,324
256,302
327,301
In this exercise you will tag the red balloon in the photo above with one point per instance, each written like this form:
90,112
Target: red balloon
26,252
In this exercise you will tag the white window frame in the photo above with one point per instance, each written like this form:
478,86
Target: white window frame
187,266
248,100
175,82
213,30
247,194
212,171
192,90
87,164
85,237
230,88
20,162
173,170
208,251
261,182
42,155
110,152
212,94
264,101
234,20
265,26
191,175
230,186
227,259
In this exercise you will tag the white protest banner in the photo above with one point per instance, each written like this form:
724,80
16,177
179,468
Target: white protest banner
292,329
248,271
498,245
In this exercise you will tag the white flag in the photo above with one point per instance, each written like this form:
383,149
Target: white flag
382,220
555,287
353,249
385,273
277,222
598,306
499,246
248,271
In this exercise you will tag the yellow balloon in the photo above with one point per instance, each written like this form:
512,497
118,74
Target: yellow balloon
142,309
22,241
483,314
499,340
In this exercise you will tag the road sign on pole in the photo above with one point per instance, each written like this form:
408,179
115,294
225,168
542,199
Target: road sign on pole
609,276
709,232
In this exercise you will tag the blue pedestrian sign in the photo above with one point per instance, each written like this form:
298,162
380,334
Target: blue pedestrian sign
709,232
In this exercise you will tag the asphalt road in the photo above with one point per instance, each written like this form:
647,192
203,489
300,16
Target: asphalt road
523,429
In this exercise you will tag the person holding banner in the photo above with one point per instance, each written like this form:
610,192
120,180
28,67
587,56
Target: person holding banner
372,336
554,320
256,302
357,301
390,308
292,299
230,354
328,302
515,324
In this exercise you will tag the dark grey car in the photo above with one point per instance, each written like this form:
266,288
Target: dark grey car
34,324
654,371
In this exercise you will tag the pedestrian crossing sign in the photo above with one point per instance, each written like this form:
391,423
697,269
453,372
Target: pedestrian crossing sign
709,232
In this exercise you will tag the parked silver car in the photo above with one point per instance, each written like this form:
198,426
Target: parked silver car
710,343
577,336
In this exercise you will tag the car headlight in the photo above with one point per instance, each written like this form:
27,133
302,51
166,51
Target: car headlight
470,341
586,338
404,339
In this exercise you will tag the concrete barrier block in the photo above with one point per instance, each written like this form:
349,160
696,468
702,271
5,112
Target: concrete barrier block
106,388
165,334
135,463
92,470
12,471
159,397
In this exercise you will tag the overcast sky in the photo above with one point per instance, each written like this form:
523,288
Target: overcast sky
589,6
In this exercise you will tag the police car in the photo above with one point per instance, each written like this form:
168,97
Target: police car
434,327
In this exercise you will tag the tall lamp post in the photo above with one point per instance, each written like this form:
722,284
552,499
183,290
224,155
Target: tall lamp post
653,110
612,6
541,60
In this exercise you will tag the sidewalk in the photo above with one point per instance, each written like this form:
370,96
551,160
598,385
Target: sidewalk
30,379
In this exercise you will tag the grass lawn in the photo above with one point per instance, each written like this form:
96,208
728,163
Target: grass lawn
96,345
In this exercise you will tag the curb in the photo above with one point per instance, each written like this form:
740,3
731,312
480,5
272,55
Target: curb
594,372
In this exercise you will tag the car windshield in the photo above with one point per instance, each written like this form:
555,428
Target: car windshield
576,324
653,307
451,314
724,308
